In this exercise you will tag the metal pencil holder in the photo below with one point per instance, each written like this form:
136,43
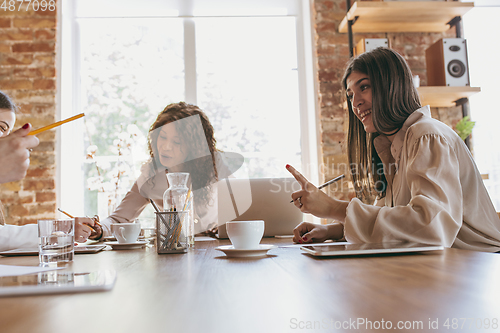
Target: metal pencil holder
170,232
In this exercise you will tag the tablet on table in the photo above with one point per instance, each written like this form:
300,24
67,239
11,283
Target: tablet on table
79,249
56,282
346,249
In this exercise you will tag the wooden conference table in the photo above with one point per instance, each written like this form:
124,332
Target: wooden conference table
286,291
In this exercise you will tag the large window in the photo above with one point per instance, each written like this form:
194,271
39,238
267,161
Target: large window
482,31
245,66
248,84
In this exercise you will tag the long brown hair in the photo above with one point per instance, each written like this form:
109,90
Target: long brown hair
204,171
394,98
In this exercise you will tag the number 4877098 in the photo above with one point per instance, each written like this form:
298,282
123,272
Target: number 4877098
35,5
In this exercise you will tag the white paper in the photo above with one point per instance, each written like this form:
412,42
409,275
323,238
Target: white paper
9,270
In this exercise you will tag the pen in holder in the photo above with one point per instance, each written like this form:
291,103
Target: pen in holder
177,215
171,232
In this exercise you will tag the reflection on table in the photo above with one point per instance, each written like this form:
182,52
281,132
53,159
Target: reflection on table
287,290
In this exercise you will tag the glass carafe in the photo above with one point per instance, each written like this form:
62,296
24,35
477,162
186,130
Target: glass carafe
178,200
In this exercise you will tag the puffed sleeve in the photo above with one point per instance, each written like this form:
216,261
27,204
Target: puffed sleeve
433,213
128,210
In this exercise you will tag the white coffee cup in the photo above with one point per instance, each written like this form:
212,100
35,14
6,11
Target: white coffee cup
126,232
245,235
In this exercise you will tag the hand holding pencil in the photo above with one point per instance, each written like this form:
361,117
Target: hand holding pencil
331,181
310,199
15,150
86,227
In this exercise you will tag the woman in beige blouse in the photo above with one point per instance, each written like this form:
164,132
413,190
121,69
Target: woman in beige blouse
427,186
180,140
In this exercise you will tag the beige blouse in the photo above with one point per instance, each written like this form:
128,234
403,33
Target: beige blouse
152,187
435,193
134,203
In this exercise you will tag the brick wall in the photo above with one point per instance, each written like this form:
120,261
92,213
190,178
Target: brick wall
28,75
332,50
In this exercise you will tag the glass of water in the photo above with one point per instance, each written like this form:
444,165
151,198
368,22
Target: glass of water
56,241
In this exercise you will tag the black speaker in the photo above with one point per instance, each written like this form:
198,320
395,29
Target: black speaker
447,63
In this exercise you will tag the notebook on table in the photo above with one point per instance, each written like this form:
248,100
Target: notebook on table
265,199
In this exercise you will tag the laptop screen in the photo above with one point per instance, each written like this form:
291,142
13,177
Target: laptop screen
265,199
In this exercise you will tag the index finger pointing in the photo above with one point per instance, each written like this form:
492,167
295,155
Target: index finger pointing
300,178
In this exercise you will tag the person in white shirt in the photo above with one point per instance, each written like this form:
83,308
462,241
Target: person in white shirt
15,151
425,181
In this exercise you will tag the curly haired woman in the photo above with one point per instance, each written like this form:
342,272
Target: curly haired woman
180,140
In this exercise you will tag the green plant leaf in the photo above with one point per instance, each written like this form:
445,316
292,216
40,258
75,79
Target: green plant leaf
464,127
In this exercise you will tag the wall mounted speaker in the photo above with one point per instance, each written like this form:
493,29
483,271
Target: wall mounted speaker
447,63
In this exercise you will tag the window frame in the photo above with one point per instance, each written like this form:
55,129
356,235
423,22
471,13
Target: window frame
70,184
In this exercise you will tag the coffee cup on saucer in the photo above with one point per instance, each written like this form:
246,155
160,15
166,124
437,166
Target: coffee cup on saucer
126,232
245,235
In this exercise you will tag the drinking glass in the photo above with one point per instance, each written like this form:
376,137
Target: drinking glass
56,241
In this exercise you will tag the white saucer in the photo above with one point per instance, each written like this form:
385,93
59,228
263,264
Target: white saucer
113,238
126,246
230,251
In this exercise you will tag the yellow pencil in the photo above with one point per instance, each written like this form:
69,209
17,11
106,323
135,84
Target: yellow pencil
59,123
62,211
187,199
95,218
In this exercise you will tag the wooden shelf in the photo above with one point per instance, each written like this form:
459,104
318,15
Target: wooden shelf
444,96
403,16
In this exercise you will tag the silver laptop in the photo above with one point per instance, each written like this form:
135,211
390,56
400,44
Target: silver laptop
265,199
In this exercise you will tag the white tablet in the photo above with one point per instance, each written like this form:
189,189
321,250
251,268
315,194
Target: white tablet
79,249
347,249
56,282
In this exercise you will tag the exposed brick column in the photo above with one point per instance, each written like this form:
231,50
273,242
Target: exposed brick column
28,75
332,55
